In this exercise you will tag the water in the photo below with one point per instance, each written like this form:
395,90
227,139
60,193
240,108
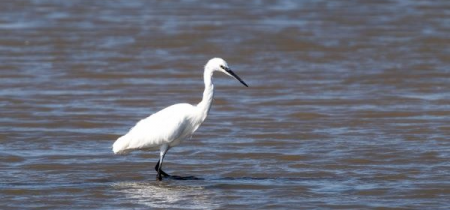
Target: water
348,104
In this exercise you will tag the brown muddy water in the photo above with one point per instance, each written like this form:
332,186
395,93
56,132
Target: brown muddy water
348,105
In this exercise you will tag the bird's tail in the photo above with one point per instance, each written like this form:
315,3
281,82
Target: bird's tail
121,145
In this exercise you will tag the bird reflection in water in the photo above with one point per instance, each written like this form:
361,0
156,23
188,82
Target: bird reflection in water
167,195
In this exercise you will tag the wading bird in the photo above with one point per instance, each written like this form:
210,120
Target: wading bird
174,124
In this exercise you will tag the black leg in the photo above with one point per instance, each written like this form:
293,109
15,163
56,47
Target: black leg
158,176
158,171
162,172
162,152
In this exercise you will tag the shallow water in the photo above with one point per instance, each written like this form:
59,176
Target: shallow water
348,104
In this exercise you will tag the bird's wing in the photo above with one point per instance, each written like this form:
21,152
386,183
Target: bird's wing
162,127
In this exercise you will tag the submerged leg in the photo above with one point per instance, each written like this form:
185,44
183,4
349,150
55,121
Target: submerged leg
163,150
162,172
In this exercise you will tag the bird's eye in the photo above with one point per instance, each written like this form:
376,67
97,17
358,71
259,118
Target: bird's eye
223,67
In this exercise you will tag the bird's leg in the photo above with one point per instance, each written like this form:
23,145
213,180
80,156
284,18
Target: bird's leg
163,150
162,172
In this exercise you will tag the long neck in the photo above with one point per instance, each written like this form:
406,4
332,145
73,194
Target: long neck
208,94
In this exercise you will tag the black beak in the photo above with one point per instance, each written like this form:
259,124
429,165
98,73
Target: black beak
234,75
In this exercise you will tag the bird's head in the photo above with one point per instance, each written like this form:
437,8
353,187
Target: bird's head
218,64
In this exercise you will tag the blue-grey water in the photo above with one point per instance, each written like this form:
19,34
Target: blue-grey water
348,105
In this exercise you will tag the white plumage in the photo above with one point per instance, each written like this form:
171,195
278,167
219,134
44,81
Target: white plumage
168,126
174,124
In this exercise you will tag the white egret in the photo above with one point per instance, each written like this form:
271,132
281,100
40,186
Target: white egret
174,124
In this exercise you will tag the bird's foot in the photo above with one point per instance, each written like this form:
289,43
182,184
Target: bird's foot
164,174
174,177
